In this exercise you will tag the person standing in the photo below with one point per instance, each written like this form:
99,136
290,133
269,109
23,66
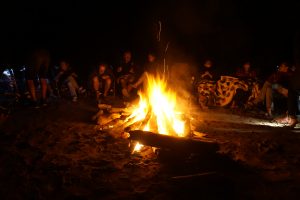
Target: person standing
37,69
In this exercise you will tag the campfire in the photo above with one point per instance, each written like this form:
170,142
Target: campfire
158,119
158,111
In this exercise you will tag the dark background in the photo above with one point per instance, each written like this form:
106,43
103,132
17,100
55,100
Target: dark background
87,32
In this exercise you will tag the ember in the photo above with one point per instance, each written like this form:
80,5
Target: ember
158,111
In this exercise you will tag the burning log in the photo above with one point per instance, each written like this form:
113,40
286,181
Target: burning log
184,144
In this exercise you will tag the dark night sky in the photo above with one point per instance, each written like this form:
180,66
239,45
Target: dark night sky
228,31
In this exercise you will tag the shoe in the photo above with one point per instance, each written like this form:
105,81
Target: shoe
81,90
287,121
35,104
44,102
268,115
74,99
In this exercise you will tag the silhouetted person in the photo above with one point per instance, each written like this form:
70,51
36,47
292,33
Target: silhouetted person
276,81
245,72
207,76
126,73
208,71
37,68
68,77
151,67
102,81
293,98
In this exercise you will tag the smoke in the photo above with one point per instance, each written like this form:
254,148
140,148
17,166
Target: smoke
181,73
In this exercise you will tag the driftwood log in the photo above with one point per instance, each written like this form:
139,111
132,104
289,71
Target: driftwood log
171,142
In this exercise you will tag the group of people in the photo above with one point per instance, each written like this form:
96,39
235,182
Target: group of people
244,89
124,79
105,80
241,89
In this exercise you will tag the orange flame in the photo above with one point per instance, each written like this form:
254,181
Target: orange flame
157,110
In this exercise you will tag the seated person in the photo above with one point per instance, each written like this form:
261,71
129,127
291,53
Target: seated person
293,101
102,81
125,74
151,67
207,76
68,77
246,72
275,82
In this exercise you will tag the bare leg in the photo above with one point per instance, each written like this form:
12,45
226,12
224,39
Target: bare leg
72,85
49,88
96,86
44,88
72,89
107,86
74,82
123,83
269,100
31,87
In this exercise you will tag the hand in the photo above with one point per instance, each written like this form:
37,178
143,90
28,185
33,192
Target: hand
133,85
119,69
74,75
131,70
206,74
105,77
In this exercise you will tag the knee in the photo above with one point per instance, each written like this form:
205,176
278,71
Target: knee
95,80
122,81
108,81
70,79
95,83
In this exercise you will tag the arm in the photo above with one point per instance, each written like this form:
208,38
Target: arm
57,77
74,75
105,76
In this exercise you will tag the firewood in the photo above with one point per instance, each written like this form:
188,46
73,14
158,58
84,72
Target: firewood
105,119
184,144
104,106
97,115
118,110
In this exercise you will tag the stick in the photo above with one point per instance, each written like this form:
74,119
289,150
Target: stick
159,31
193,175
